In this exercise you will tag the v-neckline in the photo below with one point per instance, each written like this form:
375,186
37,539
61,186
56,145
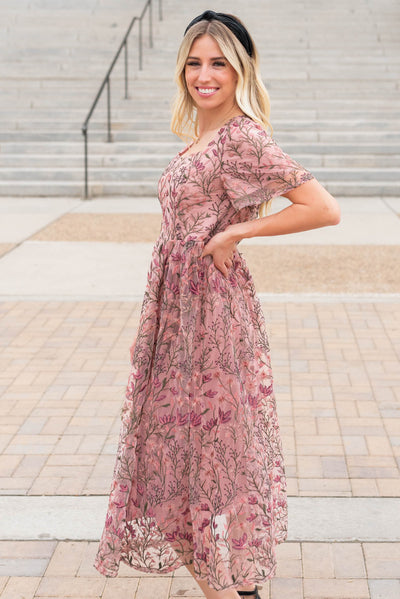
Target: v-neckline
183,153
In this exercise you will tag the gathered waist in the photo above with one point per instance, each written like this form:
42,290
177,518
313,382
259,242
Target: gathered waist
187,241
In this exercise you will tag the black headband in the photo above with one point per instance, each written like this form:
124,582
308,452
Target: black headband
235,26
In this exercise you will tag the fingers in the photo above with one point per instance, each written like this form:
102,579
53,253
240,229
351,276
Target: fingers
223,269
224,266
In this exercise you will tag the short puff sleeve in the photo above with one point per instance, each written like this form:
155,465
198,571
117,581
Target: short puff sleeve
254,169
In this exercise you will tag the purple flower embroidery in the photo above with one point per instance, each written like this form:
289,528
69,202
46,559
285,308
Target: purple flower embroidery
195,419
240,543
253,401
167,419
203,525
224,416
266,390
182,418
194,287
210,424
160,397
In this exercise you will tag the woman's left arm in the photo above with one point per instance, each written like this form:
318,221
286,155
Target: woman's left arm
312,207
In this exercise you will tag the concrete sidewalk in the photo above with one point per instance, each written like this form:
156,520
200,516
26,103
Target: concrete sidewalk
52,249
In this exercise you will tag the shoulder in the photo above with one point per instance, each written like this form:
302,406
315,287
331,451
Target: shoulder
243,125
243,134
243,129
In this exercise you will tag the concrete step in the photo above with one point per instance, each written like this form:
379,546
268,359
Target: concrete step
292,147
162,126
142,173
132,160
280,91
138,107
312,134
282,110
334,106
147,188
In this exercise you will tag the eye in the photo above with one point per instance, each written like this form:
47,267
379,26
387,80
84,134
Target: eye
219,63
192,63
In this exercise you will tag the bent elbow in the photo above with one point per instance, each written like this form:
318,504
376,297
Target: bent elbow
333,213
335,216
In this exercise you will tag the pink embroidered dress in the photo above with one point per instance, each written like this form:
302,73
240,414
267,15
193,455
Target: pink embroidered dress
199,474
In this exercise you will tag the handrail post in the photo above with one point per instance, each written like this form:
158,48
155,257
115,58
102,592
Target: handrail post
84,131
140,45
108,110
160,15
150,24
126,69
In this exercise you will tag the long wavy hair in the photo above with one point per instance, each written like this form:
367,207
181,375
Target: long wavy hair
251,94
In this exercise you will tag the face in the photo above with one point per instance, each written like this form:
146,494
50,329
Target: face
210,78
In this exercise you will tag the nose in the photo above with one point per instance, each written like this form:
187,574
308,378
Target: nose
204,73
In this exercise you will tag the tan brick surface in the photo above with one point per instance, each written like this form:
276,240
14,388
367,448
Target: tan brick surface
317,560
120,588
348,560
389,487
65,366
382,561
336,589
66,558
286,587
27,549
156,587
185,586
68,586
323,570
21,587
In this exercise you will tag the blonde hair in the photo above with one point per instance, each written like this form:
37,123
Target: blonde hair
251,94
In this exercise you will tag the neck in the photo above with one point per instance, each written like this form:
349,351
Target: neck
209,121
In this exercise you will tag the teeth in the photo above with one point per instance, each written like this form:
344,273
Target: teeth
207,90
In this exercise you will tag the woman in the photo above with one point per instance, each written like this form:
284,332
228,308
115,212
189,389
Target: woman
199,478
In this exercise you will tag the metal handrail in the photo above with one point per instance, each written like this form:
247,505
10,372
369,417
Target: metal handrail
106,81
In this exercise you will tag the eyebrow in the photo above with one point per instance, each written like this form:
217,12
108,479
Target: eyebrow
215,57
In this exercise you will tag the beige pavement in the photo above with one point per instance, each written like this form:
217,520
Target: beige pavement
282,269
64,367
45,569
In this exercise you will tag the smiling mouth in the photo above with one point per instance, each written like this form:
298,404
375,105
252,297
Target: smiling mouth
207,90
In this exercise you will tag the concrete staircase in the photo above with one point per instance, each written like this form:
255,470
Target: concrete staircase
332,71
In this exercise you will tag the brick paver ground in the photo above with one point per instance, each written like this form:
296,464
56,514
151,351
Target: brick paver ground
44,569
64,367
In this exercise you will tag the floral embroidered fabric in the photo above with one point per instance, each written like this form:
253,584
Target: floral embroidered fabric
199,474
